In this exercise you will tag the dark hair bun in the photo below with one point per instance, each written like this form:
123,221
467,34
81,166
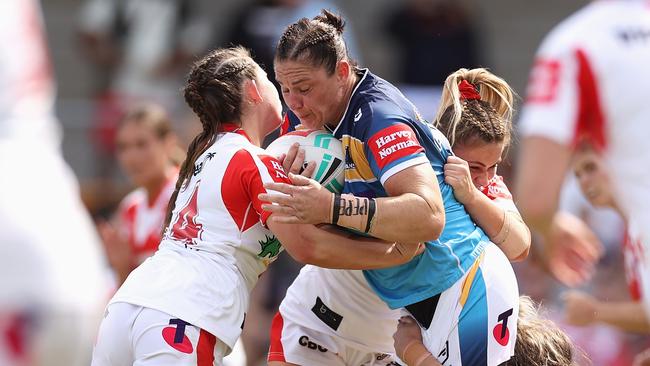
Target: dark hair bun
332,19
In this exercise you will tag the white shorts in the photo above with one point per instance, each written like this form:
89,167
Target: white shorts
136,336
475,321
341,304
339,309
299,345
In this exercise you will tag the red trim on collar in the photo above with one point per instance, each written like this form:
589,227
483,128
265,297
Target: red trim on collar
231,127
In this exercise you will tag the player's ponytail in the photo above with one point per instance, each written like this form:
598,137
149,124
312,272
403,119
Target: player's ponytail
488,118
214,92
334,20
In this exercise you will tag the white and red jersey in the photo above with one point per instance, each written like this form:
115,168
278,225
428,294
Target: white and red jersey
27,89
141,219
216,245
591,81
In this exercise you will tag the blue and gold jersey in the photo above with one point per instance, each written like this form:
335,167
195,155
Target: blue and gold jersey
383,134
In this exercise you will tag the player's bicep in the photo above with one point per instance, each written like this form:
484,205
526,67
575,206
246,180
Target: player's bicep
418,179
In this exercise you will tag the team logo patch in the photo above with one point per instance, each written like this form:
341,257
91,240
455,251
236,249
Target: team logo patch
176,338
358,115
270,247
500,332
393,143
544,81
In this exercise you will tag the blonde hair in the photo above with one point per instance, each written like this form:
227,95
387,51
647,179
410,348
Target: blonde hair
489,119
539,341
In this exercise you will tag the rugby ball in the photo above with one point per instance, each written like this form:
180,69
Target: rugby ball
320,146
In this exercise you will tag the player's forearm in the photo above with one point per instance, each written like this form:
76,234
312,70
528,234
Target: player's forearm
404,218
326,248
504,228
542,167
628,316
408,218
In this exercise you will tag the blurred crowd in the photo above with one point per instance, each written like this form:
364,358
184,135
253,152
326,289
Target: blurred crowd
139,127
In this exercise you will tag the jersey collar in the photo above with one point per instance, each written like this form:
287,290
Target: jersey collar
364,74
231,127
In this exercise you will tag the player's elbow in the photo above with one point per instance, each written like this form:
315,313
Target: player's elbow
302,247
432,225
295,240
521,257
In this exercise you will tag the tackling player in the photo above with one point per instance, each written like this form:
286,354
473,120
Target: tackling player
186,305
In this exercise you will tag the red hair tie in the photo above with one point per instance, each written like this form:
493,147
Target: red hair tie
468,91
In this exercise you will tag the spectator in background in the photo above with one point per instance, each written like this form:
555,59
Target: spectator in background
434,38
146,46
53,284
148,153
583,309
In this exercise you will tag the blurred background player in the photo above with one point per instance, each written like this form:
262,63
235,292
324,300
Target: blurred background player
582,309
148,154
53,283
580,91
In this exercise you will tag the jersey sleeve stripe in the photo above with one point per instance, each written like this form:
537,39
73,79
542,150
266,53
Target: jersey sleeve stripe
590,125
394,169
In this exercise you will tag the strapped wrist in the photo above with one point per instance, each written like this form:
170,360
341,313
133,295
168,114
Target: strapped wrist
356,213
336,208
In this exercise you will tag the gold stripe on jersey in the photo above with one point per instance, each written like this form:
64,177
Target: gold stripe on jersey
467,285
359,170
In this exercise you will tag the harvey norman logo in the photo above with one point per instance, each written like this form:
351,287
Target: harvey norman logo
405,140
